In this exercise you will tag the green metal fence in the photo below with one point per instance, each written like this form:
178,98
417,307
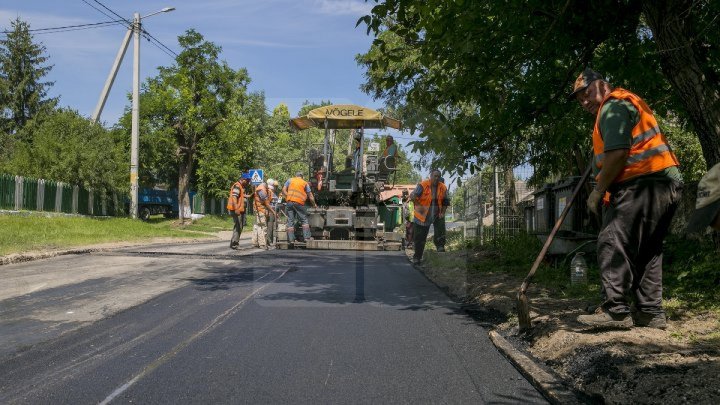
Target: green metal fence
66,204
49,195
7,192
197,205
29,194
83,200
18,193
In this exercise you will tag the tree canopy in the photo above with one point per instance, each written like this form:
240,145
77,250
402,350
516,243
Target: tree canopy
489,79
195,117
70,148
23,94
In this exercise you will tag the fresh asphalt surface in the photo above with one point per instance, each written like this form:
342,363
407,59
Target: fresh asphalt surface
268,327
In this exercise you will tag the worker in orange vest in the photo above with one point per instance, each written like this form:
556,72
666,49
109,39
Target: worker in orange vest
637,174
429,204
236,208
264,214
296,191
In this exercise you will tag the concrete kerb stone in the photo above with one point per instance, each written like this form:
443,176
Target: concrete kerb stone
551,387
31,256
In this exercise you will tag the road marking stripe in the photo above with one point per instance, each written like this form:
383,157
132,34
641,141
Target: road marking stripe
175,350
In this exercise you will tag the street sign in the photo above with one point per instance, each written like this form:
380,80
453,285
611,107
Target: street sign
256,176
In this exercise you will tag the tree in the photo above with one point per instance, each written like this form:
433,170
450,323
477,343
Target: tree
23,94
282,152
70,148
279,152
489,78
196,106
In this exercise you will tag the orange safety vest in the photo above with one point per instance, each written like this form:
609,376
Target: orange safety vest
649,152
296,190
423,202
259,206
236,200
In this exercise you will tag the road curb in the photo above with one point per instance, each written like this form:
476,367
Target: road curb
549,386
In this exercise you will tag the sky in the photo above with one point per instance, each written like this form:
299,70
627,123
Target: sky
294,50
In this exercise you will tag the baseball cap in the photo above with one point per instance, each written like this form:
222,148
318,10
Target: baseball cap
707,204
583,81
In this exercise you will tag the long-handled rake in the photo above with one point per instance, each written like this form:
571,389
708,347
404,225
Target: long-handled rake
523,301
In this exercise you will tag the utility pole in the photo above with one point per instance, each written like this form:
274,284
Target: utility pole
111,77
135,131
135,30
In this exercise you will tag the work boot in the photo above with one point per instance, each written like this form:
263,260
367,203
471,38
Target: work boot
647,320
441,248
605,319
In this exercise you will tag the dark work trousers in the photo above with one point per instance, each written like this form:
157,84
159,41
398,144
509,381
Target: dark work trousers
630,243
420,234
270,234
409,232
239,222
297,213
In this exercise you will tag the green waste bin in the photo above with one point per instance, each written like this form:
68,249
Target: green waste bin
390,215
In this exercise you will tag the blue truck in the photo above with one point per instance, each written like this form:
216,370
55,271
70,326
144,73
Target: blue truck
153,202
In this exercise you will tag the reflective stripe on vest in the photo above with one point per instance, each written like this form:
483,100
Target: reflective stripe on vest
649,152
423,202
236,199
296,190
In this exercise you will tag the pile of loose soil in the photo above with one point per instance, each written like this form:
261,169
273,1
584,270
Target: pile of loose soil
640,365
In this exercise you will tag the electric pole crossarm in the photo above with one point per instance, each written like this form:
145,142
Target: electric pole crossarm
111,77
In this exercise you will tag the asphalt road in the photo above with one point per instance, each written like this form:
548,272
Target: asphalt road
204,324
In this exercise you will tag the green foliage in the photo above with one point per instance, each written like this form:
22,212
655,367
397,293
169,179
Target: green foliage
691,271
197,117
280,152
687,148
458,202
70,148
481,79
23,94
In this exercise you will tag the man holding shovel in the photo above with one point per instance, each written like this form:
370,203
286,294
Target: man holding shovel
640,185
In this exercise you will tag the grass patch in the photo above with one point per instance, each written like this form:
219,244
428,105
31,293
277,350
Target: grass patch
691,279
214,223
32,232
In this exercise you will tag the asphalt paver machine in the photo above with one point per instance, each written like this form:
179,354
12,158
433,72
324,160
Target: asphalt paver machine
347,217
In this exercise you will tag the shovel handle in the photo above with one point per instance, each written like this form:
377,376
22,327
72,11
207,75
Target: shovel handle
551,236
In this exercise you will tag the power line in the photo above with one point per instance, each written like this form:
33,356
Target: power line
170,54
70,27
126,22
156,42
159,42
108,9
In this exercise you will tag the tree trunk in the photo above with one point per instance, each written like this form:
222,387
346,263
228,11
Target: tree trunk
683,65
186,167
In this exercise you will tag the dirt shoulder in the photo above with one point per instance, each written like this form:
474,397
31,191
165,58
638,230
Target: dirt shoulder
641,365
